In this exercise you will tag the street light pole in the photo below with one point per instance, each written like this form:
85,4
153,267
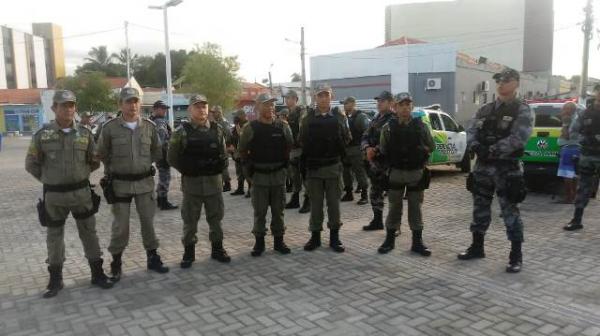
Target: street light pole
302,53
170,3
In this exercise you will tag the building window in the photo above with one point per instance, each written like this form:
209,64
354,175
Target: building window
474,97
484,96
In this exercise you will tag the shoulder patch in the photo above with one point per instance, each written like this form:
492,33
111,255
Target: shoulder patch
149,121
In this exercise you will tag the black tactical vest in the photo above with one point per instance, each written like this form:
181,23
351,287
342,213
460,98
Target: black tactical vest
356,133
201,155
268,144
405,148
497,122
324,147
591,131
374,130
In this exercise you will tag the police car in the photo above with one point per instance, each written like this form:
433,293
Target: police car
449,136
541,157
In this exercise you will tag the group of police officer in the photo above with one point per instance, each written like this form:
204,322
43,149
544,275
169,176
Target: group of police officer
314,147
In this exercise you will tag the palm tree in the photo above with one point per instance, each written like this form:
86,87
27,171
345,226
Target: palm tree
121,57
296,77
99,56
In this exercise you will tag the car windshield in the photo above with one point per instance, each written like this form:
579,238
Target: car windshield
547,115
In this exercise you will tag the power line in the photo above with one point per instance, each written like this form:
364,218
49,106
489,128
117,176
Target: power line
66,37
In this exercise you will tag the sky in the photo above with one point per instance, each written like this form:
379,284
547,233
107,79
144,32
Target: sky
256,31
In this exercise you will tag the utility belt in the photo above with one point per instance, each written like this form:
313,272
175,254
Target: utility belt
312,164
420,186
43,216
256,169
134,177
106,183
66,187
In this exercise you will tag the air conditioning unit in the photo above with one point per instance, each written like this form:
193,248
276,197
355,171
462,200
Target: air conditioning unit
433,84
484,86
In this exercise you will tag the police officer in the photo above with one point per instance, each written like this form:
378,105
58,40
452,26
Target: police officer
587,126
58,147
353,162
323,136
159,112
497,134
86,120
239,122
376,169
405,145
128,146
283,115
216,115
295,114
197,151
264,148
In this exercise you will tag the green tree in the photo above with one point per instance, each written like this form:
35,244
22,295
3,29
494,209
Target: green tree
149,71
296,77
208,72
92,90
100,60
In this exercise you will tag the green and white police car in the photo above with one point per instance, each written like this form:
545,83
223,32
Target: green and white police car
449,136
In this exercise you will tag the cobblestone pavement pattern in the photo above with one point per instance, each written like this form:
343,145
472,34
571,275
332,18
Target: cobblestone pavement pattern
320,293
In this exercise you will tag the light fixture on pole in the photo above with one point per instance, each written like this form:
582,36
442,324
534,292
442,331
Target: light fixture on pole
170,3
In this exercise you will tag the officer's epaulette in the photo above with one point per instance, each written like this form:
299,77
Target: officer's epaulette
109,121
44,127
150,121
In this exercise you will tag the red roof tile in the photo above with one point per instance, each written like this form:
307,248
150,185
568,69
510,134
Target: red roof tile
117,82
20,96
402,41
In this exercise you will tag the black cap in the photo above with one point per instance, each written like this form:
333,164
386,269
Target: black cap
402,96
385,95
160,104
507,75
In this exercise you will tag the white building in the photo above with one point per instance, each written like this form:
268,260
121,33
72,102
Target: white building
517,33
23,63
434,73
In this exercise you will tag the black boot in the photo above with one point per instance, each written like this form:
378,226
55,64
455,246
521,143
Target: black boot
115,267
294,202
417,244
98,277
575,223
289,186
476,250
376,223
389,243
218,253
334,241
240,188
154,262
305,205
364,197
189,256
159,202
313,242
166,205
259,246
227,186
280,246
515,259
348,196
56,281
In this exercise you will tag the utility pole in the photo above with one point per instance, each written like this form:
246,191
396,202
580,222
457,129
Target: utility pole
127,52
302,53
587,36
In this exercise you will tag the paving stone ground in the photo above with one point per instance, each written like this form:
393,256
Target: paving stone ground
320,293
